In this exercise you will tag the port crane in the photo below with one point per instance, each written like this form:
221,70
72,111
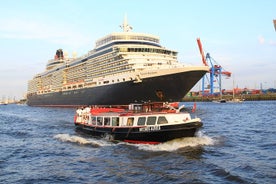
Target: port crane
214,78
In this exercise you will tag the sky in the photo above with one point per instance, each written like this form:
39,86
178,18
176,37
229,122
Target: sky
239,35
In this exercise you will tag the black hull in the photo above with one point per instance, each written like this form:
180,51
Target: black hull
162,88
134,135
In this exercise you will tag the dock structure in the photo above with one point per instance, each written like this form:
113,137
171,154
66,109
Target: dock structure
245,97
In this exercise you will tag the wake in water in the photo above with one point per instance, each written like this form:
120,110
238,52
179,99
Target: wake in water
176,144
82,141
173,145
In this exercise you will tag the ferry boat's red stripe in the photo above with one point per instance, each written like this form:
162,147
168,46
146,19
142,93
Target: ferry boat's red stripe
141,142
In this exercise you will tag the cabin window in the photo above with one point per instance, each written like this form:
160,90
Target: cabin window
99,121
115,121
151,120
141,121
107,121
130,121
162,120
94,121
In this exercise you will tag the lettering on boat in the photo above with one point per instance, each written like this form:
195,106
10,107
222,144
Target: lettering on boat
149,128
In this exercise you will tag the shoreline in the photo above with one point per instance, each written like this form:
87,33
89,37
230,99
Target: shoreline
246,97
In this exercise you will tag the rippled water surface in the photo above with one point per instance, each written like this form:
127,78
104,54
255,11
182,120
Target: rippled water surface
236,145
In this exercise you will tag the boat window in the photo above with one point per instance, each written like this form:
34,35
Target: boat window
107,121
94,120
151,120
99,120
141,121
162,120
130,121
115,121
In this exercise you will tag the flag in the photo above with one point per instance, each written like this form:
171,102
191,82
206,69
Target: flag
194,107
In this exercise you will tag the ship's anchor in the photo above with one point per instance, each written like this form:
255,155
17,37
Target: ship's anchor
137,79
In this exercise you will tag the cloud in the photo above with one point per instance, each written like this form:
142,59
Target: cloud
261,39
273,43
45,31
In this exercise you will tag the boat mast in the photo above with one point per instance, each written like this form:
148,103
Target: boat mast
233,90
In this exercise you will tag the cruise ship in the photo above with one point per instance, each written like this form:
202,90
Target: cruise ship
124,67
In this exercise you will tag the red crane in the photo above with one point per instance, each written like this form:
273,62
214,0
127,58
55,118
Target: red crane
201,52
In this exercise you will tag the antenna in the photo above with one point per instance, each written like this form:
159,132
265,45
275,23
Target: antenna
125,26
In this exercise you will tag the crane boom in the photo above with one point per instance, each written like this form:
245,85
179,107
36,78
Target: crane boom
201,52
228,74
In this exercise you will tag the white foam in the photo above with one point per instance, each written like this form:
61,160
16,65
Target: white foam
173,145
81,140
179,143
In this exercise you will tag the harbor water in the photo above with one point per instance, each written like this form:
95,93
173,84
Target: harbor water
237,144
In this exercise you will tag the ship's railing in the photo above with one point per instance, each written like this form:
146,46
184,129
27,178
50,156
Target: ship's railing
127,36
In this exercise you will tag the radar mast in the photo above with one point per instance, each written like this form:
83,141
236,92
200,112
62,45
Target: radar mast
125,26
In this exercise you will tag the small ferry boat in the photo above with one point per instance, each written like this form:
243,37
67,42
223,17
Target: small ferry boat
149,123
